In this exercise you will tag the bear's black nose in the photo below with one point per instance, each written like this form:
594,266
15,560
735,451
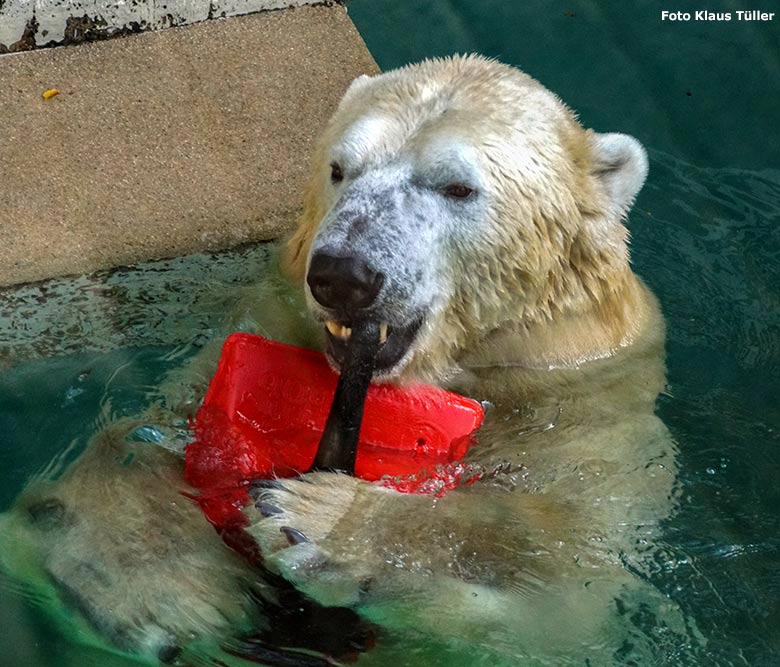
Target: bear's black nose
343,283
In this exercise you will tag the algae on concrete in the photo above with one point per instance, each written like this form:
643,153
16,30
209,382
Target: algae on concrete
29,24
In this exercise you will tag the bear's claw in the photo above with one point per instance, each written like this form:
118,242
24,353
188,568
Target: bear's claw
257,486
293,522
294,537
266,509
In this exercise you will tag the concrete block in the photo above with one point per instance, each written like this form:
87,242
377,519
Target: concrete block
165,143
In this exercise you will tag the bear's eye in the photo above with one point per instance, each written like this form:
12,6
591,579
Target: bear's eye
336,175
458,191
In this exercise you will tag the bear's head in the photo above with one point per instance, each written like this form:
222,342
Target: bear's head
453,198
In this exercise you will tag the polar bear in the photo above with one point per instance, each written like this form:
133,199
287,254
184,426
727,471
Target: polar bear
459,203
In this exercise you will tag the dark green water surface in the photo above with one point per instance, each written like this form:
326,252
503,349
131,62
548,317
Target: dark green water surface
704,98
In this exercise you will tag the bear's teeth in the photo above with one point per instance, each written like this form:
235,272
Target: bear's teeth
338,329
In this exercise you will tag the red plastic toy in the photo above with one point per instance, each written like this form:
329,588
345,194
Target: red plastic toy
265,411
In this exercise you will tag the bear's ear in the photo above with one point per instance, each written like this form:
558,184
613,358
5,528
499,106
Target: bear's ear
359,81
620,163
357,84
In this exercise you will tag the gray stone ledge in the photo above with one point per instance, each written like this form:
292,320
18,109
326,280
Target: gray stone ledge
166,143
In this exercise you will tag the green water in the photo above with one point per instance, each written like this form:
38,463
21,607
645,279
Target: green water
704,99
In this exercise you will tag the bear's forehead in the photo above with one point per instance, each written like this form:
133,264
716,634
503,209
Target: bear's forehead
378,137
454,129
473,85
417,106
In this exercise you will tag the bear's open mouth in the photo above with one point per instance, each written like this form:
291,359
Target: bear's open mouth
394,342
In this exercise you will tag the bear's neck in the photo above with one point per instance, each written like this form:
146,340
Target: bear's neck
616,319
605,358
598,328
